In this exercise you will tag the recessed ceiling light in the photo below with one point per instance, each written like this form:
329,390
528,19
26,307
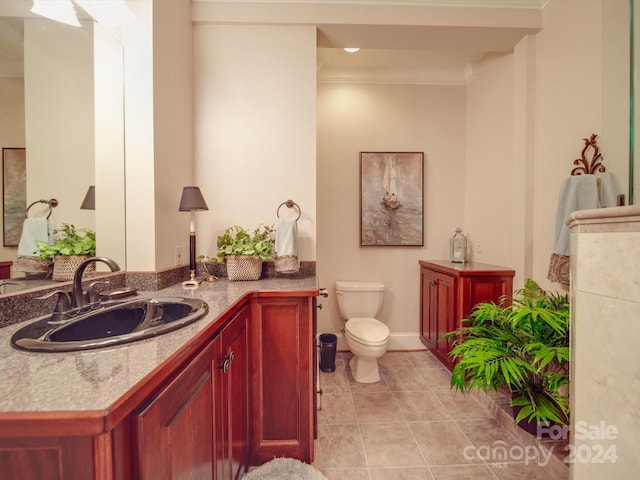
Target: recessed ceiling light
351,49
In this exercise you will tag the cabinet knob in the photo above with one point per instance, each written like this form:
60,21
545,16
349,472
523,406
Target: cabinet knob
433,283
231,357
225,366
319,306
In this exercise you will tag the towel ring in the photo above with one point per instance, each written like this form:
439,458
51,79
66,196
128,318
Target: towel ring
51,203
289,204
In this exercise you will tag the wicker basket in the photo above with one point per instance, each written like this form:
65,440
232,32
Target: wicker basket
240,267
65,267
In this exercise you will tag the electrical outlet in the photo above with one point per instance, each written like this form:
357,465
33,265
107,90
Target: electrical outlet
178,255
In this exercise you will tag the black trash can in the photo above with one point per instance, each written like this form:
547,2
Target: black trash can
328,345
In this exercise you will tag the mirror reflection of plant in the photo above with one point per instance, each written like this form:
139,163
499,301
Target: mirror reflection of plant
521,343
206,261
70,241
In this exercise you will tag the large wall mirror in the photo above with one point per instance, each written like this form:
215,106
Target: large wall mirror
619,136
61,91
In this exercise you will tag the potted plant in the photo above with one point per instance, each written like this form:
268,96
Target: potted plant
521,344
71,247
244,250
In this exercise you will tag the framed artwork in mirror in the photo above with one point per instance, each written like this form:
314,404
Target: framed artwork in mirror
391,198
14,194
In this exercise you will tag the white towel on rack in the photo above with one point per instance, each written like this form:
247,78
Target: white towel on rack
34,230
286,258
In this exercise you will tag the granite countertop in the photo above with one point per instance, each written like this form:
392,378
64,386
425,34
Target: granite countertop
94,380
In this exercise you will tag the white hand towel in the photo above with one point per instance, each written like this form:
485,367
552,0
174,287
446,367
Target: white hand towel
286,258
34,230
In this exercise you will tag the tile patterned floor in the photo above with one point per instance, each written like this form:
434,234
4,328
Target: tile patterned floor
411,425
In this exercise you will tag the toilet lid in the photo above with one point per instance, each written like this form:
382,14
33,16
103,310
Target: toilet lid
367,330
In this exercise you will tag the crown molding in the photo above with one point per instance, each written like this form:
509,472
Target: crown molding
396,76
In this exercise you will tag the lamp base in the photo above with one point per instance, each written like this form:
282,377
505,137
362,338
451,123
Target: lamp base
192,283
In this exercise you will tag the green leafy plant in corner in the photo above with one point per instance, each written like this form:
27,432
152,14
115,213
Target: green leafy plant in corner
70,241
521,343
239,241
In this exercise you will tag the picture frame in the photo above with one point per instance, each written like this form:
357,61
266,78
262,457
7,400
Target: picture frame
391,199
14,194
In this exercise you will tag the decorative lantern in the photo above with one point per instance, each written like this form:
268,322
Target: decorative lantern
458,247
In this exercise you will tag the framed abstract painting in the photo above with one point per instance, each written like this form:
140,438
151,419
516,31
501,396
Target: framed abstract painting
14,198
391,198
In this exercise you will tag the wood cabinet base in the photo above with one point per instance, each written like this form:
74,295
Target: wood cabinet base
448,292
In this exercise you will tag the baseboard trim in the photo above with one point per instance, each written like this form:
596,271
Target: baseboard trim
400,342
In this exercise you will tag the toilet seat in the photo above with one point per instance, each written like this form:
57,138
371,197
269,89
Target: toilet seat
367,331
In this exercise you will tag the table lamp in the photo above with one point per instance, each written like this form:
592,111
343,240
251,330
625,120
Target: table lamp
191,201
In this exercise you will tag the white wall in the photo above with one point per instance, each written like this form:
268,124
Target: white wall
173,127
354,118
59,128
489,161
255,128
568,107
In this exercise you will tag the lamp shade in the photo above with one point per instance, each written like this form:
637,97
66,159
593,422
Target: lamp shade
89,202
191,200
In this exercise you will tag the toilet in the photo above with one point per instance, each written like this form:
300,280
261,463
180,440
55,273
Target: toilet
367,337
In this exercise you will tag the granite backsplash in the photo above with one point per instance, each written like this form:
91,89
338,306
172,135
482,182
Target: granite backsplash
27,304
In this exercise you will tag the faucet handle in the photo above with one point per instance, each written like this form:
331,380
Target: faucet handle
63,303
93,297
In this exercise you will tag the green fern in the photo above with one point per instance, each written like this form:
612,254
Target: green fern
521,343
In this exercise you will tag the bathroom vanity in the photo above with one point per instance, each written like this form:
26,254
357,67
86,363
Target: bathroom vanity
235,388
448,292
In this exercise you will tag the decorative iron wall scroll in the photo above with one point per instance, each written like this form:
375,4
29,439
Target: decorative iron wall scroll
391,198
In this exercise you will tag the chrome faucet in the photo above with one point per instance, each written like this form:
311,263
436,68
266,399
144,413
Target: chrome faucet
78,299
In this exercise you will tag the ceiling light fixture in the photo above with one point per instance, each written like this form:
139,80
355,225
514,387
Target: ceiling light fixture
351,49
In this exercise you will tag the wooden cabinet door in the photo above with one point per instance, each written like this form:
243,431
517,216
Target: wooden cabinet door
437,309
282,343
444,306
174,431
233,380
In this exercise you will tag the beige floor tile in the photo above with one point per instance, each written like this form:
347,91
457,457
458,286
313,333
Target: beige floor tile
462,472
390,445
421,473
393,360
404,429
420,406
437,378
403,377
335,382
339,447
487,434
463,406
443,443
337,408
376,408
531,471
354,386
423,359
351,474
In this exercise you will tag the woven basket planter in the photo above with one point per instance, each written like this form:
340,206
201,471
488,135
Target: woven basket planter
65,267
240,267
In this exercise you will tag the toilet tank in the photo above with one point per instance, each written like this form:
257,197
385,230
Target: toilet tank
359,299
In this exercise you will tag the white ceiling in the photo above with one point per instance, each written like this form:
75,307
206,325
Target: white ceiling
396,53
